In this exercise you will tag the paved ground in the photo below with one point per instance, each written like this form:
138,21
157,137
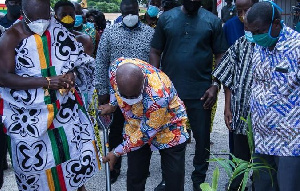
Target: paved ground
219,137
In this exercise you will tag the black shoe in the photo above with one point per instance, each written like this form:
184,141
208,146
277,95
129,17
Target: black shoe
196,187
161,186
114,175
5,164
190,136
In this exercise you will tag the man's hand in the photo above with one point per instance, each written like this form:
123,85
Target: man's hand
228,118
227,108
71,76
210,97
107,109
60,82
111,158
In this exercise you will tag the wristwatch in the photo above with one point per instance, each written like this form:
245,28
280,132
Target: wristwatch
216,84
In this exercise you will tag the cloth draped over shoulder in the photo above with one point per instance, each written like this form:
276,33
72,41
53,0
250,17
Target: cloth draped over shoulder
51,138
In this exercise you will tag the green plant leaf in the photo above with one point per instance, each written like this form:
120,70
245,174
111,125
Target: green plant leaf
245,180
249,133
215,179
205,187
239,170
225,165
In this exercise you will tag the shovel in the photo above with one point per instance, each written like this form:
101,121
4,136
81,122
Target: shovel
104,122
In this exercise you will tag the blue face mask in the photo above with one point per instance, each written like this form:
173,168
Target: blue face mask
266,40
78,20
153,11
90,25
249,36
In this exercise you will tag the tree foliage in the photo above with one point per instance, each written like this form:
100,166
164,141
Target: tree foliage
113,6
106,6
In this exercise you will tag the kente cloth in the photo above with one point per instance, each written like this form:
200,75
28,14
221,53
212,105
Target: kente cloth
51,138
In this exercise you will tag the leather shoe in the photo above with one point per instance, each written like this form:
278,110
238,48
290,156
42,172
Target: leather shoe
189,140
161,186
114,175
5,165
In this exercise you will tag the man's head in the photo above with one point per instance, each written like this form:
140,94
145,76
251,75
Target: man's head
264,22
78,15
130,11
36,9
130,81
169,4
191,6
154,8
229,2
13,8
65,13
96,17
84,11
129,7
242,6
78,9
36,15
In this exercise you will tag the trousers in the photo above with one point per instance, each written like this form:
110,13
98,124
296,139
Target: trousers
284,177
200,121
172,164
115,136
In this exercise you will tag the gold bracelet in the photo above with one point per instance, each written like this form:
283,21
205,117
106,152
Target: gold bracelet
49,82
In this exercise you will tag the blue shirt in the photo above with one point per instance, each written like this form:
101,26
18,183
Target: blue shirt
233,30
275,96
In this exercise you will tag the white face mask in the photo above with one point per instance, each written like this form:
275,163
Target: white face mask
132,101
38,26
131,20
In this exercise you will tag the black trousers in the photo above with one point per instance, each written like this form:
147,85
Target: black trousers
241,150
172,164
115,136
200,121
285,177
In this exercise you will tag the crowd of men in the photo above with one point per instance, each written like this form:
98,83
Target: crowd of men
155,72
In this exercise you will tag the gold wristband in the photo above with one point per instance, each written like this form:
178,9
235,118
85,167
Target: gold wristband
49,82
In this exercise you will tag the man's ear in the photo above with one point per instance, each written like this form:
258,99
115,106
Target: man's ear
277,23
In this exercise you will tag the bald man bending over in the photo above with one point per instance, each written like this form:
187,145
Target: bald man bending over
155,119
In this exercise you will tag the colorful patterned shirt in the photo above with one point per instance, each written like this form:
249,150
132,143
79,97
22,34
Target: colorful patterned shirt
234,71
159,119
275,96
